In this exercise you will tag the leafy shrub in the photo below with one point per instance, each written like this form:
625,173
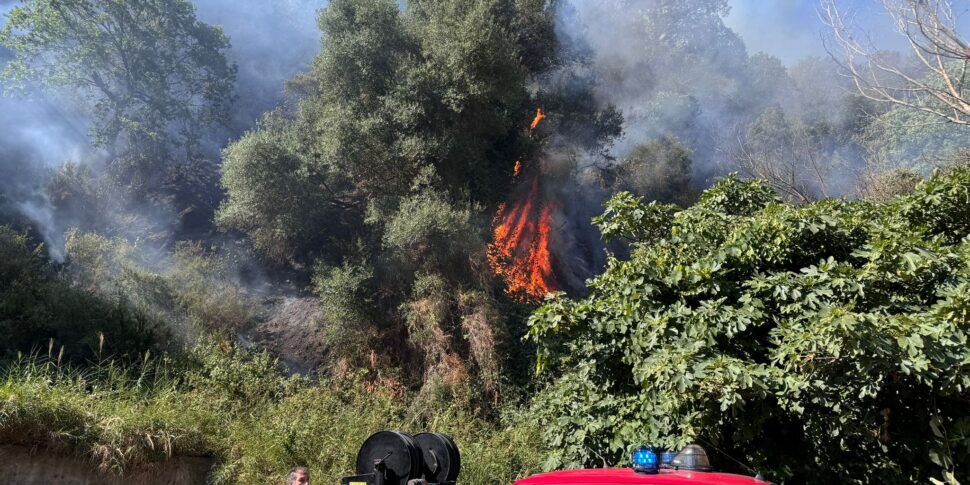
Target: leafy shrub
346,298
831,336
193,293
272,196
625,217
37,307
658,170
204,289
427,228
76,196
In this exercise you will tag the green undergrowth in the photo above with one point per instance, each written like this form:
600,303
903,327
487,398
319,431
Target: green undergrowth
234,406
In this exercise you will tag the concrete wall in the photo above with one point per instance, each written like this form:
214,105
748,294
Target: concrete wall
22,466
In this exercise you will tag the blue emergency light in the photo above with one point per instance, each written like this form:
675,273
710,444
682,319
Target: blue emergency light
645,460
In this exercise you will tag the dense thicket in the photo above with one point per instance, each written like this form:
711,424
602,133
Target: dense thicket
407,126
41,312
831,336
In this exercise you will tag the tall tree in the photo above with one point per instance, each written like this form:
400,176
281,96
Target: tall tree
392,93
407,125
151,74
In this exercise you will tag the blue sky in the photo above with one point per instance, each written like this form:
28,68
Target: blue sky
791,29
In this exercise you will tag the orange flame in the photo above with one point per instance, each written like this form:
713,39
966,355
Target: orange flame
539,117
517,168
519,251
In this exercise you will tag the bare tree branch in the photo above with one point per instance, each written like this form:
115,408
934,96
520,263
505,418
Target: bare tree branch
801,163
942,54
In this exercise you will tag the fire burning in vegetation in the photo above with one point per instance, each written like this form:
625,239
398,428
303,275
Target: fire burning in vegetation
539,117
519,251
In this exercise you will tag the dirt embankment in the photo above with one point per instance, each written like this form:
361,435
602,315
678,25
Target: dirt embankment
24,466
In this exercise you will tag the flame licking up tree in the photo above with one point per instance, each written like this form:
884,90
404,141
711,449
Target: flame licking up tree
539,116
519,251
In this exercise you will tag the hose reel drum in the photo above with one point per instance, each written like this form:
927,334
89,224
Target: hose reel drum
395,458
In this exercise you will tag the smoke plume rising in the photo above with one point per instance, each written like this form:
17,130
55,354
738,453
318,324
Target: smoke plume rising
677,70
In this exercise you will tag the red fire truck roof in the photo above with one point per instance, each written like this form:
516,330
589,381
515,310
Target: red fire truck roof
618,476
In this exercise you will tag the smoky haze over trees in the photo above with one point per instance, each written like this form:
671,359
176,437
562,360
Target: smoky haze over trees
150,75
175,188
363,188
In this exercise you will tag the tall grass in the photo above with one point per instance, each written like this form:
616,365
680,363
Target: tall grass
122,416
234,406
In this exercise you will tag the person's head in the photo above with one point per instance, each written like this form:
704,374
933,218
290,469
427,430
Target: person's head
298,476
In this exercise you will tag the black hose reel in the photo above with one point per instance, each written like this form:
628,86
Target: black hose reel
394,458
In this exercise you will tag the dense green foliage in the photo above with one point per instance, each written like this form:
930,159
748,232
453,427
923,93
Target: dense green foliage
831,336
394,96
105,301
84,371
